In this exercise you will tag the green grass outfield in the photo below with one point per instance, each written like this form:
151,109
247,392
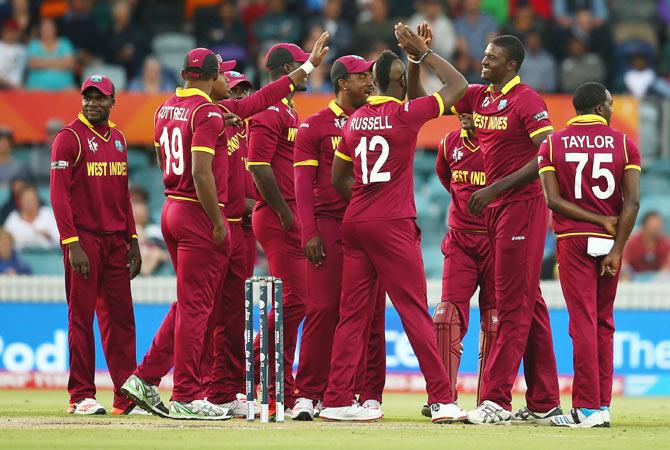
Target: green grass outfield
36,420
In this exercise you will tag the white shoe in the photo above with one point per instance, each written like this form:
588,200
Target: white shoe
303,409
489,413
373,404
607,416
353,413
525,415
446,413
579,418
87,407
236,408
198,410
318,408
145,395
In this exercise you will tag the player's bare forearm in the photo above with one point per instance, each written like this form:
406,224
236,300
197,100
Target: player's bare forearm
205,187
558,204
414,87
631,206
316,58
265,181
538,139
342,177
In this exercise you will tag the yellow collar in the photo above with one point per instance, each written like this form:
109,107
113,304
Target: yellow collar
379,99
465,138
508,87
464,132
188,92
86,122
288,102
587,119
335,108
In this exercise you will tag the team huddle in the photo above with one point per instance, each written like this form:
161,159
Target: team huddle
331,202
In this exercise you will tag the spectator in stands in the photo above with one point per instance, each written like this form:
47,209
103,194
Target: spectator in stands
9,168
16,185
640,77
648,250
51,59
12,56
24,13
565,11
340,31
377,30
474,30
580,66
277,25
39,163
586,28
634,20
539,66
152,246
444,35
523,22
78,25
32,225
126,41
10,263
225,34
152,79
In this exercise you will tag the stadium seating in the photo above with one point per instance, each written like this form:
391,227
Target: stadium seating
44,262
171,48
116,73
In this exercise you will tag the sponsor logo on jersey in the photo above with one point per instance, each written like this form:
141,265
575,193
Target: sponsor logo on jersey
273,108
59,165
486,102
214,114
502,104
518,238
457,154
541,115
92,145
118,145
304,125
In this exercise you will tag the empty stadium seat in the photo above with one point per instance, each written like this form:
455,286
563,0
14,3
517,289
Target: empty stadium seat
115,73
137,159
44,262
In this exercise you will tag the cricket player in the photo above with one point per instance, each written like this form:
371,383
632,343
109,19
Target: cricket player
91,202
271,139
320,209
226,379
466,248
380,237
590,175
186,132
512,121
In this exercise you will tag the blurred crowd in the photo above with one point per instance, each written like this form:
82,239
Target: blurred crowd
51,44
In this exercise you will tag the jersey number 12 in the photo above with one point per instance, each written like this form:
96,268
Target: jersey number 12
362,150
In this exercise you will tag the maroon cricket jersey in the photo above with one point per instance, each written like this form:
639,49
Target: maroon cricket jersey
380,140
589,159
506,121
460,167
189,122
318,138
89,180
236,140
271,138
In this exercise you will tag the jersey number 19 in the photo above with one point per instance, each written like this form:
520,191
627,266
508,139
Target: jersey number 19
174,151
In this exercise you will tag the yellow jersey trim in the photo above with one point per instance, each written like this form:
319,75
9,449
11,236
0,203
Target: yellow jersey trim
86,122
177,197
134,236
541,130
156,144
336,109
203,149
453,110
508,87
379,99
190,92
625,148
547,169
257,163
551,150
342,156
70,240
586,233
633,166
292,88
76,160
587,119
307,162
234,219
288,102
440,102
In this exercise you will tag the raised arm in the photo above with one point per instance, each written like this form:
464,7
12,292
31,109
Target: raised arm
455,83
415,88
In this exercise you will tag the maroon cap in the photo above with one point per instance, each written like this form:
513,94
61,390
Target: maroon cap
201,61
235,78
284,53
349,64
101,83
225,66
